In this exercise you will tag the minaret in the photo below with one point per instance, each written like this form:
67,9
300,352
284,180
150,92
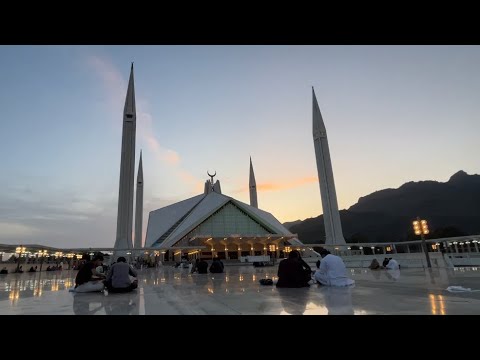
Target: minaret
139,206
331,216
127,173
253,187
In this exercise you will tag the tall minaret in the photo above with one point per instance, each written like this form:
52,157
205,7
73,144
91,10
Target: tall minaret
331,216
127,172
139,206
253,187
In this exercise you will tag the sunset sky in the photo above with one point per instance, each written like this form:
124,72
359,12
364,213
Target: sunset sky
393,114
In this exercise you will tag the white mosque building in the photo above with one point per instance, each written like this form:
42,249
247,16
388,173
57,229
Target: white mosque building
213,224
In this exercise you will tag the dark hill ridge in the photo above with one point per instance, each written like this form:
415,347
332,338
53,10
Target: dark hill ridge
387,215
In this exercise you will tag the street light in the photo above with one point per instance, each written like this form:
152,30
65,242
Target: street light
42,254
421,228
19,250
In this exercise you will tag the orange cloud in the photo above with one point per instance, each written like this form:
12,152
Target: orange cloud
283,186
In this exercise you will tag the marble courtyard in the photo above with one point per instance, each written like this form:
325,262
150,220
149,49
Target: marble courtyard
167,290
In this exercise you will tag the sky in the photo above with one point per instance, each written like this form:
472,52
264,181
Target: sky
393,114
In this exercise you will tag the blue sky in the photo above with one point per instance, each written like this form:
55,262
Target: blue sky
393,114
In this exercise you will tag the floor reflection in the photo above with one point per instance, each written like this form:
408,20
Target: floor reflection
338,300
294,301
437,304
111,304
18,286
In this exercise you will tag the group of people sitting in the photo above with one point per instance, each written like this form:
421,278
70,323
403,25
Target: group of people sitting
54,268
201,266
294,272
120,278
388,263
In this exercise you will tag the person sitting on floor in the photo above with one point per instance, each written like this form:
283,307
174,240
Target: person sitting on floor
392,264
291,272
121,277
87,279
375,265
31,269
307,270
333,271
4,271
217,266
194,265
202,267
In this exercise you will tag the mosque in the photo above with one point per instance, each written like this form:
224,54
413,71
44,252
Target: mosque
213,224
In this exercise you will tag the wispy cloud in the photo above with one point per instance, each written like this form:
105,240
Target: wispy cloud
113,82
116,86
275,186
168,156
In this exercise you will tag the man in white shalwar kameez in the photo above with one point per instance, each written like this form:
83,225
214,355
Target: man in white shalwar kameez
332,271
392,264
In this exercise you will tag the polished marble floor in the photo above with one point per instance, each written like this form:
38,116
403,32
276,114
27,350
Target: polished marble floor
173,291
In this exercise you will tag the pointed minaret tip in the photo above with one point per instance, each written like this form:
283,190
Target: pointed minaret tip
130,109
318,125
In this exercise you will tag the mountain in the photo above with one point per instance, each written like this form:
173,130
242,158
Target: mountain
289,224
452,207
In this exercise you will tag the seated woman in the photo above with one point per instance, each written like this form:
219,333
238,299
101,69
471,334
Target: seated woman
217,266
121,277
375,265
202,267
87,279
292,272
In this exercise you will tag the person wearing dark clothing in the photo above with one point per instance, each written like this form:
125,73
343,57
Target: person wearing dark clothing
4,270
307,270
292,272
32,269
87,279
121,277
202,267
217,266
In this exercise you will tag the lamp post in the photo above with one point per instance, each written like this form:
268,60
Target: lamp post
19,250
421,228
42,254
